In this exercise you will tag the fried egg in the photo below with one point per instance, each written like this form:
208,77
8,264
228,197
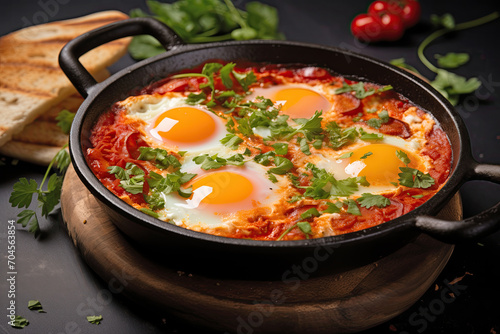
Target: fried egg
296,100
376,161
219,193
173,124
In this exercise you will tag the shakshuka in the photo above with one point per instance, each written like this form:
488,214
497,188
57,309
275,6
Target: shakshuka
269,152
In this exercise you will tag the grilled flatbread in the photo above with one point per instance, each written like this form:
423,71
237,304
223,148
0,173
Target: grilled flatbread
31,81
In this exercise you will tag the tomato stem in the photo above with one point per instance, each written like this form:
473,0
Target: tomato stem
441,32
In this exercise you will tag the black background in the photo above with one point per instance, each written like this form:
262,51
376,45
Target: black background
51,270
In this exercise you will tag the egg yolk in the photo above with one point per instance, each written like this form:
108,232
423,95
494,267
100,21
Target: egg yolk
227,187
300,102
381,167
186,125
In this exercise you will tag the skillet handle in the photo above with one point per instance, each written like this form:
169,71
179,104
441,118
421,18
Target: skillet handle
473,227
74,49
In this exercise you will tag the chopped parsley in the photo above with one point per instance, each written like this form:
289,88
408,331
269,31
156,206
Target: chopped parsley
413,178
132,177
159,156
232,141
368,200
35,305
359,89
94,319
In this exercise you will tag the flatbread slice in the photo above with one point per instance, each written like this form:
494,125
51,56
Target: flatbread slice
31,81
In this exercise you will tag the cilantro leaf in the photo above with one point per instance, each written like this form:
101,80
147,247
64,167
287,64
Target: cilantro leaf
403,157
35,305
245,79
132,177
210,162
244,127
446,21
332,208
313,212
283,165
264,158
280,148
236,160
345,187
359,89
366,155
29,218
50,198
305,227
19,322
368,200
159,156
23,192
452,59
304,146
225,75
62,160
352,207
413,178
196,98
64,119
370,136
94,319
346,155
338,136
232,141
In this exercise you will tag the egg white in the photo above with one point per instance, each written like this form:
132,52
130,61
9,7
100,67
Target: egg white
197,216
148,107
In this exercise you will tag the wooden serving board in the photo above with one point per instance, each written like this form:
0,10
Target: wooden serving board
349,302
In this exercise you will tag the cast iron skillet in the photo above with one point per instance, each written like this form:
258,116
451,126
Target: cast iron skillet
346,250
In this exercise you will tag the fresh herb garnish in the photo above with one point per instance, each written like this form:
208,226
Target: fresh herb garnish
366,155
413,178
132,177
452,59
206,21
370,136
338,136
368,200
359,89
283,165
403,157
64,119
232,141
332,207
19,322
24,190
159,156
305,227
310,213
449,84
94,319
352,207
35,305
280,148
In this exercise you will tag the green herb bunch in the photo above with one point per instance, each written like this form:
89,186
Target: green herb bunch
203,21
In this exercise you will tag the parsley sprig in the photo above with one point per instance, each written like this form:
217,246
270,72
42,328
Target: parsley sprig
24,190
449,84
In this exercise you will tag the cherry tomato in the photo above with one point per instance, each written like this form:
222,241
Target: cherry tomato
381,27
366,27
392,27
407,10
